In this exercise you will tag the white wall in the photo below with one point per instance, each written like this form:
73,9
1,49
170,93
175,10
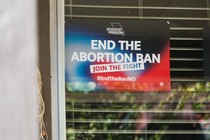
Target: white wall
18,62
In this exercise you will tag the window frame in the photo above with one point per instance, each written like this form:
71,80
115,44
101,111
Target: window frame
57,69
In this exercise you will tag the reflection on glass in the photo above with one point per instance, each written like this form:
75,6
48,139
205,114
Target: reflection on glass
176,115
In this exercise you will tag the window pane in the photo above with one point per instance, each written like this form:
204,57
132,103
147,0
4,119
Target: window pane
182,113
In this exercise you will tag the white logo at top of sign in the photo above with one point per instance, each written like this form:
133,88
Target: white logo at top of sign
116,29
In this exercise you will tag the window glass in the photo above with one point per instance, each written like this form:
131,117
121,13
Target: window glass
181,113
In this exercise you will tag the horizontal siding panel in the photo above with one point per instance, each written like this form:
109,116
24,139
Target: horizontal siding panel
175,3
107,2
139,17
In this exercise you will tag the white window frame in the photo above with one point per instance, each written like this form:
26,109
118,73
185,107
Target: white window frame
57,69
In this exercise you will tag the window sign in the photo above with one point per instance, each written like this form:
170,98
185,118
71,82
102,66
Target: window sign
117,55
